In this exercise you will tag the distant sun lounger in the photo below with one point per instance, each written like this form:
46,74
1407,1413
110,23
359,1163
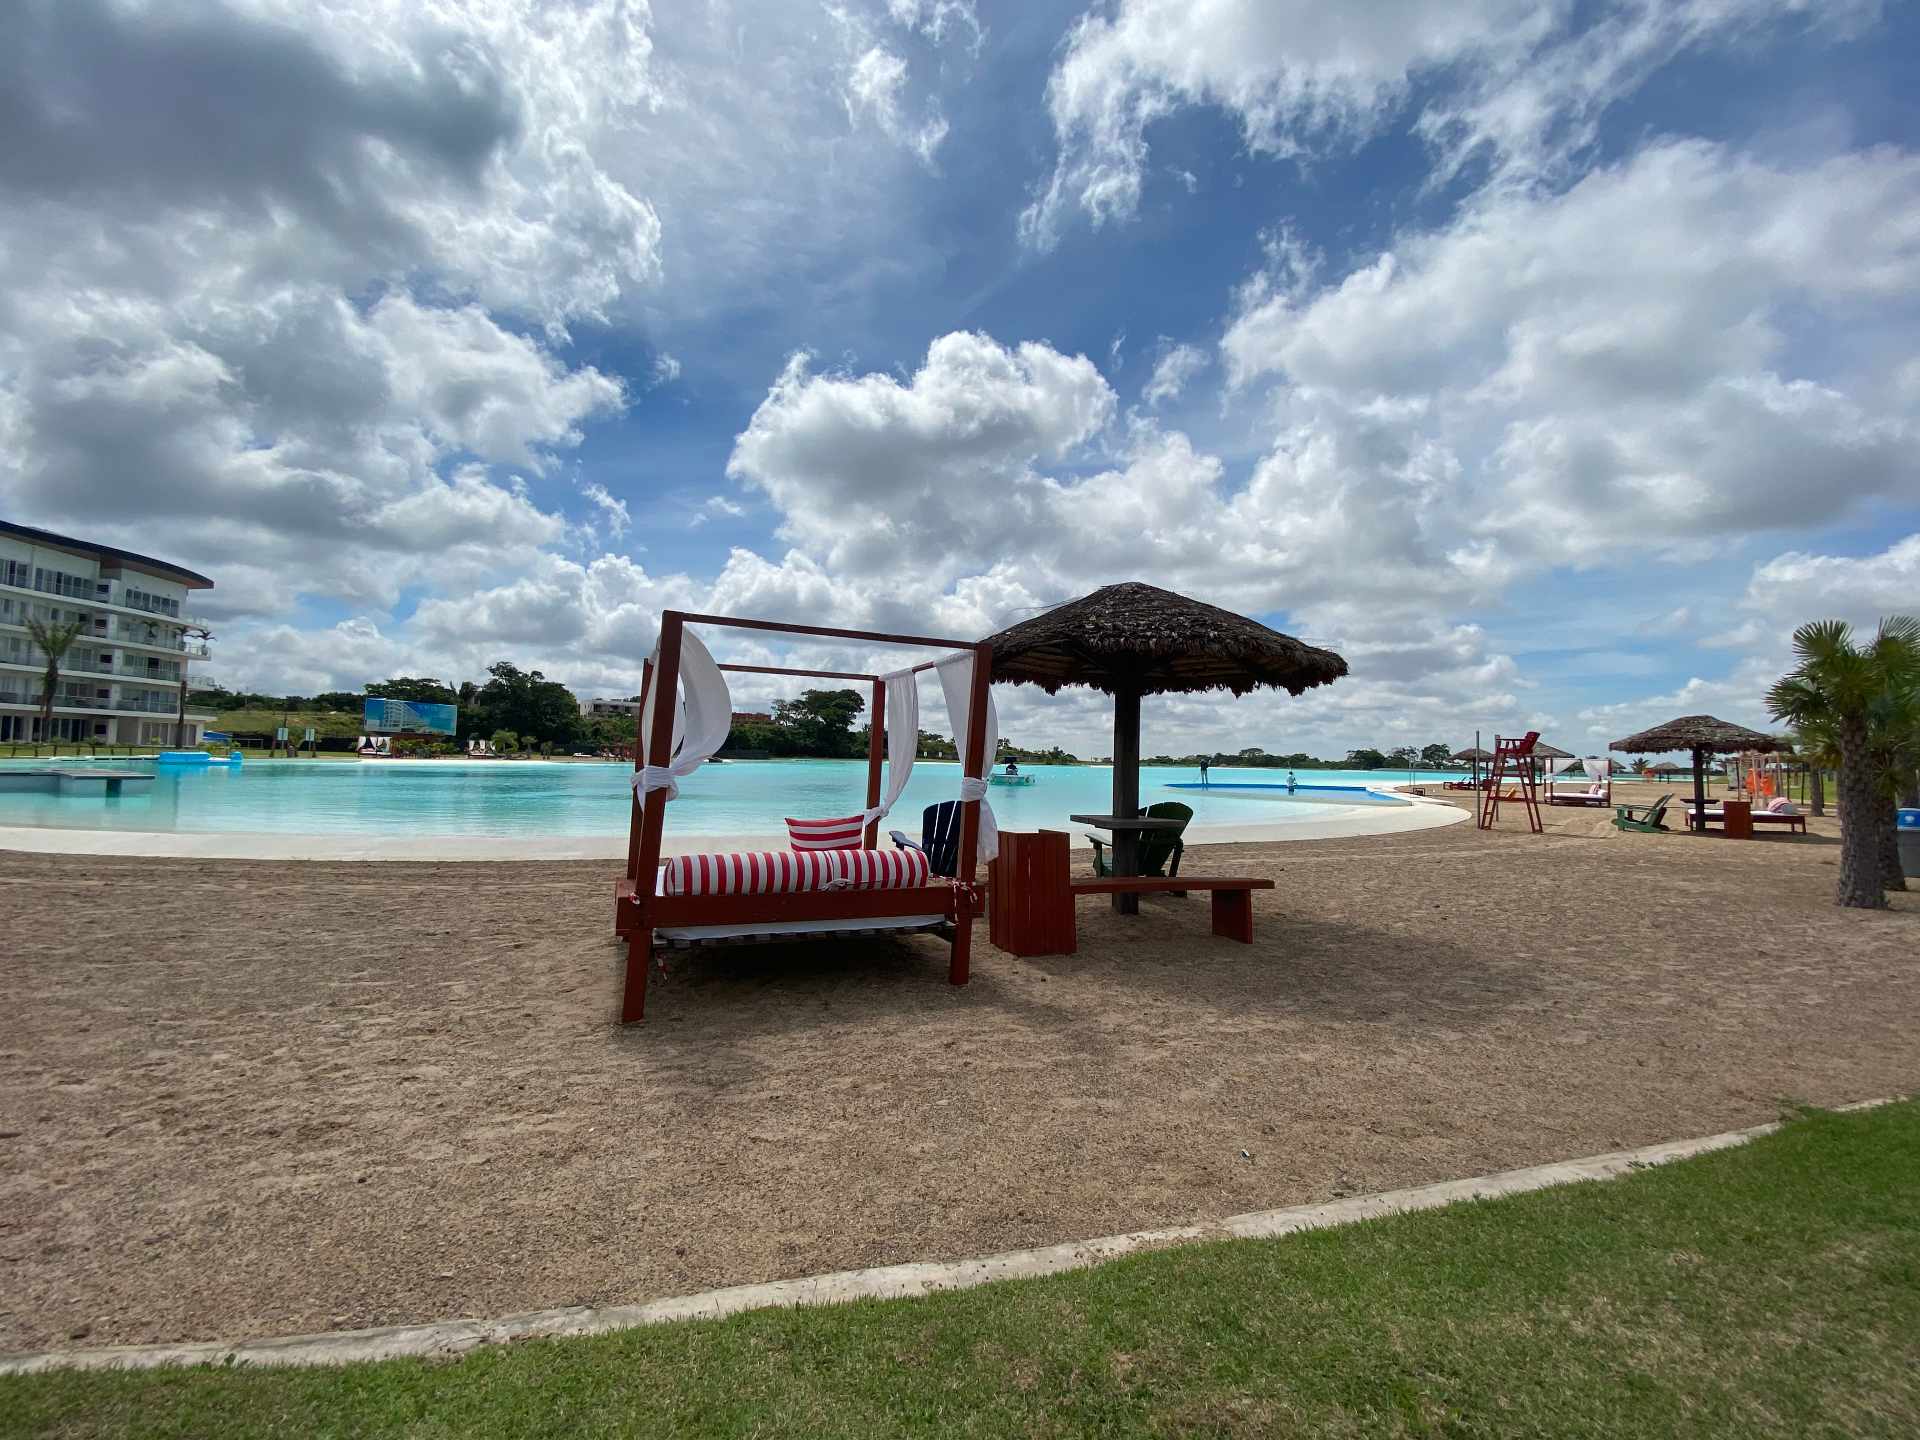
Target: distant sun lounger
1778,812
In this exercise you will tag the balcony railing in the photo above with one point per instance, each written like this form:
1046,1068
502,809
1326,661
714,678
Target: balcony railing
104,669
62,700
152,604
138,635
149,704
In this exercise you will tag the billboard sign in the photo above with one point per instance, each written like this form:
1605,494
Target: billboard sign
409,717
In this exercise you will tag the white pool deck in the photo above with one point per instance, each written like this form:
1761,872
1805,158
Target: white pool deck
1420,813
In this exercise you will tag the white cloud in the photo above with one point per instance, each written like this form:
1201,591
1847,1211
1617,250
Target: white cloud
874,87
666,369
1177,365
1738,697
870,473
297,332
1604,365
975,471
1793,588
618,518
1303,78
1289,70
933,17
717,506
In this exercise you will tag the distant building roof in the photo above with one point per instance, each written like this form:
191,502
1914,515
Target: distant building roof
192,579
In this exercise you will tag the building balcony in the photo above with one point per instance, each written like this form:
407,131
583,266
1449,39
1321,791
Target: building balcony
87,596
65,700
91,670
137,635
147,705
62,700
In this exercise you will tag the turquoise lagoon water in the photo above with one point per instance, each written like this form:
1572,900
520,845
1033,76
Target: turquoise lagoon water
510,798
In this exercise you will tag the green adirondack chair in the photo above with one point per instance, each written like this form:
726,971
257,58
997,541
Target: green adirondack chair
1646,822
1156,848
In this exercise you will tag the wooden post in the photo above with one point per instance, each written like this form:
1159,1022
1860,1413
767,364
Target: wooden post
1699,821
1233,915
1126,792
876,747
639,759
973,766
659,741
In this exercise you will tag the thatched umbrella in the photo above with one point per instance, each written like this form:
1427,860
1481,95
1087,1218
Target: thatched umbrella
1475,755
1132,640
1703,735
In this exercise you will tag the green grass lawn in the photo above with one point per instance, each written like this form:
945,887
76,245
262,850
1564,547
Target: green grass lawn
328,724
1769,1290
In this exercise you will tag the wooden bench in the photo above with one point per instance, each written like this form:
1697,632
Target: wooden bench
1232,896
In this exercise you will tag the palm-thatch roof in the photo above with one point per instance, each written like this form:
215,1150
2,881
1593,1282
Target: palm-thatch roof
1544,751
1667,767
1148,641
1472,752
1698,732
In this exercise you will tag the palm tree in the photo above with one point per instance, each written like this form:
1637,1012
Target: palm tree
1839,686
1893,741
54,638
1813,741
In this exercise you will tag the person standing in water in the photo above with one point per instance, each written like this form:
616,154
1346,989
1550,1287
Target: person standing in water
1203,772
1290,782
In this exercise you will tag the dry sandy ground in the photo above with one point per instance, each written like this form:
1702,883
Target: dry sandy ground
246,1099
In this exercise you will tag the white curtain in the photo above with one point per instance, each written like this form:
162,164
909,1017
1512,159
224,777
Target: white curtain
903,737
956,682
1599,767
702,716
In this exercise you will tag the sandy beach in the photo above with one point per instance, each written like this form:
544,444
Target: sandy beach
242,1099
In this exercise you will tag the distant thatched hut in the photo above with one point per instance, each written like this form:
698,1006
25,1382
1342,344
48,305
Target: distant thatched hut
1703,735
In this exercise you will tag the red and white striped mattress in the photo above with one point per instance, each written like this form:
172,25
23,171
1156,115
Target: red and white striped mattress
784,872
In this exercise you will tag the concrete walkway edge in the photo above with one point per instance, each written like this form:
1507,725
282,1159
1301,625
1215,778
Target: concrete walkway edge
444,1338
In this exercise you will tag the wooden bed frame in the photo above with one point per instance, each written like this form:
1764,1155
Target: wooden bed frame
638,912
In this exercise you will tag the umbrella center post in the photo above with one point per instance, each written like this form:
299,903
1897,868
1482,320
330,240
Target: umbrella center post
1126,792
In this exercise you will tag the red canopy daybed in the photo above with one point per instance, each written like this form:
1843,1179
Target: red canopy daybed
648,917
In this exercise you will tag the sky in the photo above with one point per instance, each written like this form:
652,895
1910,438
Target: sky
1550,361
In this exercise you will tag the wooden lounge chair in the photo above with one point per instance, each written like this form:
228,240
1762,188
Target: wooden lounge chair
1650,818
1156,849
939,837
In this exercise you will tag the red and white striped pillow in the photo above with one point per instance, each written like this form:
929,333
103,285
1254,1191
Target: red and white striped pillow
784,872
881,869
842,834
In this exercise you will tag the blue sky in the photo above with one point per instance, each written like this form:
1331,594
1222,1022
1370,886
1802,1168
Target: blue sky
1550,361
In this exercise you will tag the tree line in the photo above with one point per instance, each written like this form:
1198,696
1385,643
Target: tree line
1405,757
513,709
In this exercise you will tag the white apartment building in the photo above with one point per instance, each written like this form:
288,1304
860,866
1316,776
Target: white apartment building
122,681
609,709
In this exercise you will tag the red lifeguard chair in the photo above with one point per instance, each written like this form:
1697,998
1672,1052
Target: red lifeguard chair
1512,759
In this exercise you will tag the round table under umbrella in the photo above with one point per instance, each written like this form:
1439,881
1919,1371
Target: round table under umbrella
1132,640
1703,735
